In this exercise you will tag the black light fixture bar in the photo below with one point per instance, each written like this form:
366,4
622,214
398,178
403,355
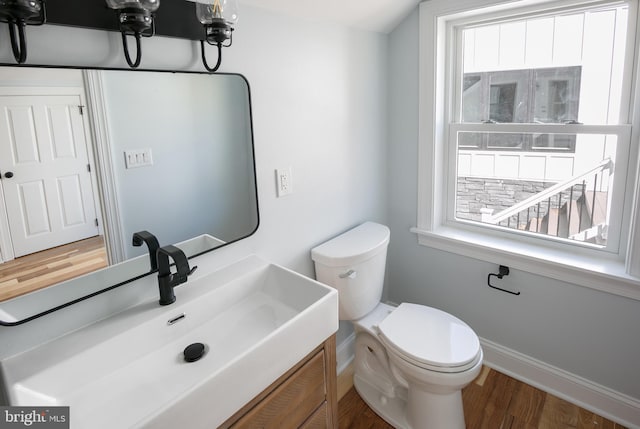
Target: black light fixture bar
175,18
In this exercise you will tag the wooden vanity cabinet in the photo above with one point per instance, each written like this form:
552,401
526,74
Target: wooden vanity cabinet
304,397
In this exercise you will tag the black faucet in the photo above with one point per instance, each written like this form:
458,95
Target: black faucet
166,280
152,243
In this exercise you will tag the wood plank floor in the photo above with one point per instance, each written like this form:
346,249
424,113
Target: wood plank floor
492,401
32,272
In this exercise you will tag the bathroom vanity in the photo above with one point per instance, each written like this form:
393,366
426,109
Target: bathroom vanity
304,397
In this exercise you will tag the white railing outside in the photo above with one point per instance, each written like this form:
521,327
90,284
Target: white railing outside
548,193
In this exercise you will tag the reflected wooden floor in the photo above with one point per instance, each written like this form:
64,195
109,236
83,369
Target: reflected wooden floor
32,272
492,401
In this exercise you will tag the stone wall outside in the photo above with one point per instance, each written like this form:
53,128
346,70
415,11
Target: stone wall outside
475,193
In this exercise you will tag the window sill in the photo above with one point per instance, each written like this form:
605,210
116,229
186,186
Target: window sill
598,273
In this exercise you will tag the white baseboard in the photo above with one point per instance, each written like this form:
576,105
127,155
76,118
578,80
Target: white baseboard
345,352
591,396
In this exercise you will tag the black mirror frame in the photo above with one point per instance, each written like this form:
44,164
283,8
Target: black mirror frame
117,285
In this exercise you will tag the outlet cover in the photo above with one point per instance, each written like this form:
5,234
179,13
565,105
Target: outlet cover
284,185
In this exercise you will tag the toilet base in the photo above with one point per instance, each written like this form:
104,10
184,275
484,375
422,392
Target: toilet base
392,410
427,410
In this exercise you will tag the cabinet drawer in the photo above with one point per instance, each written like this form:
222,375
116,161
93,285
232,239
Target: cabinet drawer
291,403
319,419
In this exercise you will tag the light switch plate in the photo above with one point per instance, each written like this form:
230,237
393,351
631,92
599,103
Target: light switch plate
138,158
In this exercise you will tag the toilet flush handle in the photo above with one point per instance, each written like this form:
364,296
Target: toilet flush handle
349,274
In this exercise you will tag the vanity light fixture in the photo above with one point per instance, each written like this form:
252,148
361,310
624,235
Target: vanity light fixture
18,14
136,19
218,18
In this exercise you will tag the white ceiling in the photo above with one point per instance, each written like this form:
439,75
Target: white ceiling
373,15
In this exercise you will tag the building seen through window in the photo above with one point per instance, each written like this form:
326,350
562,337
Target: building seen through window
549,95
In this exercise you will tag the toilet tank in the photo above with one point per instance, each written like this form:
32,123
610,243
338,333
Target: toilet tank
354,264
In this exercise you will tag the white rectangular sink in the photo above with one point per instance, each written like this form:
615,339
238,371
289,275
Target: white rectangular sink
256,320
199,244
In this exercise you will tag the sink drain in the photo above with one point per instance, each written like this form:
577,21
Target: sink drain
194,352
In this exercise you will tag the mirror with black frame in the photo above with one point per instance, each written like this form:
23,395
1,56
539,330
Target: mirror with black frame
88,157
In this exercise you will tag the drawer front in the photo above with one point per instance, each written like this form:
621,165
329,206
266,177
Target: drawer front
319,419
291,403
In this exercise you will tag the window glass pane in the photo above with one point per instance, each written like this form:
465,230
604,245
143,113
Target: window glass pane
557,94
534,142
554,142
551,70
470,140
506,140
550,95
472,108
502,102
557,194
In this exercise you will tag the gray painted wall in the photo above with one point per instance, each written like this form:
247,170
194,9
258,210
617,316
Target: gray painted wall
586,332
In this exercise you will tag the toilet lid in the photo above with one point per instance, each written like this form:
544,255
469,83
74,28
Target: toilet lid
430,338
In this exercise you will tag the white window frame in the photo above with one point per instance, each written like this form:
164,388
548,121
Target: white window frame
615,272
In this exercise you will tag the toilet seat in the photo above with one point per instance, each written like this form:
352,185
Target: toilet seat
430,338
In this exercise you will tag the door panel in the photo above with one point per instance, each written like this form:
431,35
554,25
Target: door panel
49,199
62,135
33,208
70,193
21,134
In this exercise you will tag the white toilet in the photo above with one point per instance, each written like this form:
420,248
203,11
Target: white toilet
411,361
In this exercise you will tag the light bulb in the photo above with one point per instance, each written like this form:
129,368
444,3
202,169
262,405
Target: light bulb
209,11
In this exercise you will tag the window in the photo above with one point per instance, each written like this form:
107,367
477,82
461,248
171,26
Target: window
526,144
